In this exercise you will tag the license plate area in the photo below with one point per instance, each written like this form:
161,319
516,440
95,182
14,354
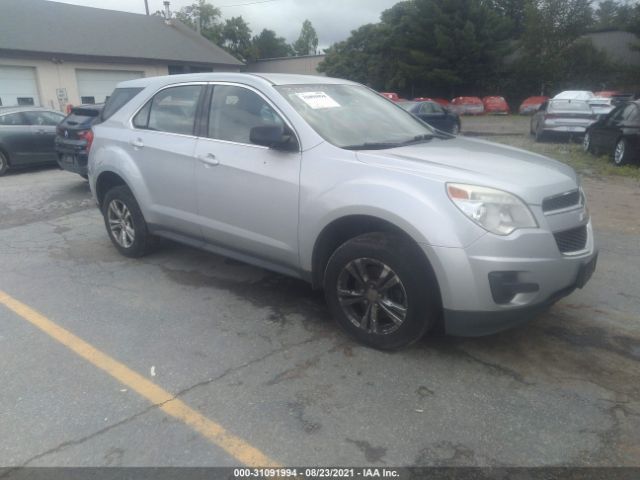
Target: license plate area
586,272
68,159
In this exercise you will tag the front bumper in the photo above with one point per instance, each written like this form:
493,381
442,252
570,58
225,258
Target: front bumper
532,261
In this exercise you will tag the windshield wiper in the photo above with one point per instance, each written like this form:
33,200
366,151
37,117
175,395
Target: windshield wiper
419,139
373,146
383,145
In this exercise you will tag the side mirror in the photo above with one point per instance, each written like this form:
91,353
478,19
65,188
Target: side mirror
273,136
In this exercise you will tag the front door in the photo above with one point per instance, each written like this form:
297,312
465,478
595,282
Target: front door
247,194
43,133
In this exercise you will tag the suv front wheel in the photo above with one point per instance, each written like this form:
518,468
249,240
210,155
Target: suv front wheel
125,223
379,291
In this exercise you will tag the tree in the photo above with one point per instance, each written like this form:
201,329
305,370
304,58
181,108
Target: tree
307,43
268,45
552,28
514,10
204,18
236,38
445,46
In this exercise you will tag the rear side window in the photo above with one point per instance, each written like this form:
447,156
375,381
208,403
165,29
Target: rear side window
171,110
13,119
118,99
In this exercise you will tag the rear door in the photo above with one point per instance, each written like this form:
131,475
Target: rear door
162,143
43,130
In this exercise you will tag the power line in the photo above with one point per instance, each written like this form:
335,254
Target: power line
249,3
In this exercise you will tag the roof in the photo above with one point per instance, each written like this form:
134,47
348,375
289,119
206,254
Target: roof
574,95
617,45
58,28
246,78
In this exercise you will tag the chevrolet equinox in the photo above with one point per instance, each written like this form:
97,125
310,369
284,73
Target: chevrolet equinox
405,227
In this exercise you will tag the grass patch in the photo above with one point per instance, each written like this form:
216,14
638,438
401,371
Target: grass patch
571,154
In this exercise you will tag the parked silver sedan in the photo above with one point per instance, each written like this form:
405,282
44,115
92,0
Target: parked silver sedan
322,179
27,137
562,117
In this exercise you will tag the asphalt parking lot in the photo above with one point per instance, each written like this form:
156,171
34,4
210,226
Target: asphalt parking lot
217,363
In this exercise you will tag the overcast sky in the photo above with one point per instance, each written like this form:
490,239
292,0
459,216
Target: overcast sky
332,19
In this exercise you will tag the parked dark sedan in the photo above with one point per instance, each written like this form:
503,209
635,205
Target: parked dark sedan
26,137
617,134
435,115
74,137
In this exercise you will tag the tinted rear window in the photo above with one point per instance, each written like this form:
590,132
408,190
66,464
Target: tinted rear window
118,99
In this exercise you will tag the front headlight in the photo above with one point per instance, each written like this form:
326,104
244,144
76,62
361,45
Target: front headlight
494,210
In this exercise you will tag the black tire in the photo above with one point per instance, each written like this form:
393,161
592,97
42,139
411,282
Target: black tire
416,291
622,152
587,144
142,241
4,163
539,134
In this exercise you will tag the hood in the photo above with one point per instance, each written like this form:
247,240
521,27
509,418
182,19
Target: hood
530,176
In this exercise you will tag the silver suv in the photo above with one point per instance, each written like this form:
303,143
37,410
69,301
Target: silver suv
405,227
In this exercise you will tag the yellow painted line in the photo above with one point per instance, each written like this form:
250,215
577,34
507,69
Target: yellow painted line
215,433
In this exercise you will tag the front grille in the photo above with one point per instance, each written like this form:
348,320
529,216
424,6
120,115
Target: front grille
572,240
558,202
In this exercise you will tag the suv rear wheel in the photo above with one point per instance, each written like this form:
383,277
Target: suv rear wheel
125,223
378,290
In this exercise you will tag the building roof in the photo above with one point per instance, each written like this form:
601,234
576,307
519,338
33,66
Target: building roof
40,26
617,45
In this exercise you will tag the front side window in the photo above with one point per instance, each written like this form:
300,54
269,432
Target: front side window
171,110
44,118
354,117
235,111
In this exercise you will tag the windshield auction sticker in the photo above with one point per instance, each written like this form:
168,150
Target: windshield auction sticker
317,100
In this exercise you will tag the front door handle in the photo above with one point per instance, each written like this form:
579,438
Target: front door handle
209,160
137,143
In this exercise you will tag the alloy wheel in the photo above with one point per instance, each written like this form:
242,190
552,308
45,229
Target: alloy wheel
121,223
372,296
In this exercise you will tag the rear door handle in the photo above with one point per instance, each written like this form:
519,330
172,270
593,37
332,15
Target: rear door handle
137,143
209,160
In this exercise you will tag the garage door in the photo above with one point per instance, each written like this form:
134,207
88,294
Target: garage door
96,85
18,86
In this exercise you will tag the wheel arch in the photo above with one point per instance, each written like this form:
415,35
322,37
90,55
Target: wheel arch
347,227
6,155
105,182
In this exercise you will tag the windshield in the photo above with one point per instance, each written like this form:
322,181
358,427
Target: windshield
354,117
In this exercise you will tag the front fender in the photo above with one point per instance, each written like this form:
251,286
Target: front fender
424,213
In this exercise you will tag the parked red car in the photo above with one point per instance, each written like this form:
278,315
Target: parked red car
391,96
441,101
467,106
531,105
495,105
607,93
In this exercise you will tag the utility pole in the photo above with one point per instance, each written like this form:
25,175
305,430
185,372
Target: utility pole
146,6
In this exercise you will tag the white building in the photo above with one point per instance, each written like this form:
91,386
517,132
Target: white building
54,54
